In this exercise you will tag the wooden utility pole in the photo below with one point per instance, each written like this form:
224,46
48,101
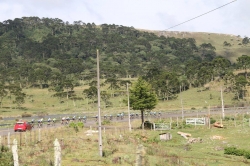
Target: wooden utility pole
99,105
129,123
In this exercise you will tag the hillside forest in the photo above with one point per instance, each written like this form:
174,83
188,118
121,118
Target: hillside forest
53,54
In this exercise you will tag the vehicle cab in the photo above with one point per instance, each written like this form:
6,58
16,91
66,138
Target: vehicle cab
22,126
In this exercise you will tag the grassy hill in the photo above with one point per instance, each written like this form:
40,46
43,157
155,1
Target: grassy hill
232,53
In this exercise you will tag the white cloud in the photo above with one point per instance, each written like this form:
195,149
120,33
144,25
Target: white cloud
145,14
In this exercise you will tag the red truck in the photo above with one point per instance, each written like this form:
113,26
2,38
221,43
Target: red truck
22,126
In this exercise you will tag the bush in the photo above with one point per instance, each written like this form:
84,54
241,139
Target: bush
247,155
237,152
76,126
25,114
148,125
227,118
105,122
212,121
6,157
181,125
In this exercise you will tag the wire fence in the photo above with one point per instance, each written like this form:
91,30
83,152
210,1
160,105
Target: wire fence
31,140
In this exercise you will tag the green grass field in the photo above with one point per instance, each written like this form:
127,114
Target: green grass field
40,101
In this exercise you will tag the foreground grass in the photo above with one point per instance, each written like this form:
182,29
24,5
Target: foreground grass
119,145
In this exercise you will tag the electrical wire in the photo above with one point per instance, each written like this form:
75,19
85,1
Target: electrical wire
200,15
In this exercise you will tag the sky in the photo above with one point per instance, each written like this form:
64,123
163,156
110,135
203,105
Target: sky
233,18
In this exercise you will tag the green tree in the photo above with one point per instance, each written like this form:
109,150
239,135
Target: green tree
221,66
244,63
68,85
240,86
90,93
207,51
3,93
142,97
105,96
19,99
245,40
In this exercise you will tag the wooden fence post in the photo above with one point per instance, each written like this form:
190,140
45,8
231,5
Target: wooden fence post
39,135
9,140
25,138
57,149
14,152
177,122
20,139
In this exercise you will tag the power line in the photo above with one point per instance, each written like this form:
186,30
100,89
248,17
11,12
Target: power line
201,15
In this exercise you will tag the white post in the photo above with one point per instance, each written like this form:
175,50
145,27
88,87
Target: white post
57,149
222,104
9,140
209,117
182,112
129,123
14,152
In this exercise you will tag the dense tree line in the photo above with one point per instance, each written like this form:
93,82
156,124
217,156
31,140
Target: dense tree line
51,53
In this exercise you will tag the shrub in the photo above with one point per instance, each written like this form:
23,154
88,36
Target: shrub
237,152
5,156
76,126
25,114
181,125
227,118
212,121
105,122
148,125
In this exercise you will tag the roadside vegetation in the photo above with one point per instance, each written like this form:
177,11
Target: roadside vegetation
216,146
